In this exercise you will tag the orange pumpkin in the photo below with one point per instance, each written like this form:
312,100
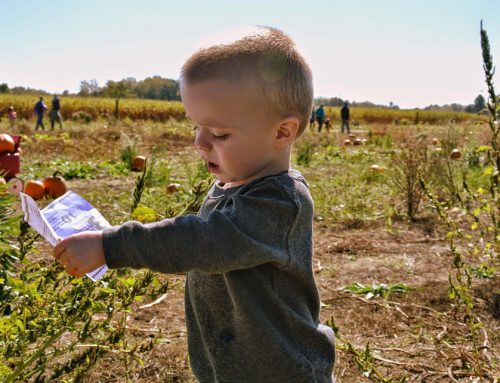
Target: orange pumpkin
347,142
7,144
55,185
138,163
173,188
456,154
35,189
377,168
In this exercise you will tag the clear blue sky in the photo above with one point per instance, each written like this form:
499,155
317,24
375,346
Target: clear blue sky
413,53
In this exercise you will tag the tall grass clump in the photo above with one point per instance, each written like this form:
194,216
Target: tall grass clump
474,239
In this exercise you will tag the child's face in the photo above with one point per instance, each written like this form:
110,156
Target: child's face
233,136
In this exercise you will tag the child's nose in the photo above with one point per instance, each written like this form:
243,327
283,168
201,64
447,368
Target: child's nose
202,141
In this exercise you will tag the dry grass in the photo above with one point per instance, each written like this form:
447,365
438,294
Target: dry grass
419,335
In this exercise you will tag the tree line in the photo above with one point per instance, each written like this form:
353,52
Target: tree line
477,106
160,88
154,88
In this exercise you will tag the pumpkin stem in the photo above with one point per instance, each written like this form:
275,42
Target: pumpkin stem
56,173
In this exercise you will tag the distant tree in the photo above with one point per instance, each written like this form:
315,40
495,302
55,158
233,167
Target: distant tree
331,101
453,107
470,109
89,88
457,107
84,89
479,103
117,89
131,83
4,88
23,90
478,106
158,88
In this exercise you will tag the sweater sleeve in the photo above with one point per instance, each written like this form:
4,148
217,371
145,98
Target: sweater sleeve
251,230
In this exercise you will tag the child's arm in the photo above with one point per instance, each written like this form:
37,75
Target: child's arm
252,230
81,253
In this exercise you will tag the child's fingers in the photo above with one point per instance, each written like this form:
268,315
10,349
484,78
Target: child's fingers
72,269
69,268
65,260
78,273
71,265
60,248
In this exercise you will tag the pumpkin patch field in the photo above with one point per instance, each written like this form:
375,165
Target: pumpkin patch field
405,234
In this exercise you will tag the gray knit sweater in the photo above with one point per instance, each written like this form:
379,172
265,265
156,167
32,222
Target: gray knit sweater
252,304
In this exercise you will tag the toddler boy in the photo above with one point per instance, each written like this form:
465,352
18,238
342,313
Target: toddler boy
252,305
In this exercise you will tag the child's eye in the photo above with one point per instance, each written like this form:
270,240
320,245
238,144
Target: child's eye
221,137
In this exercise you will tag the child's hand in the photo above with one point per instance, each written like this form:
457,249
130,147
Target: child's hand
81,253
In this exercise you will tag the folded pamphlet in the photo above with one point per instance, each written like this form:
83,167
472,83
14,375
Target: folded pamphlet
67,215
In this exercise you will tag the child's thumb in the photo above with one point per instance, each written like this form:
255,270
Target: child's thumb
60,248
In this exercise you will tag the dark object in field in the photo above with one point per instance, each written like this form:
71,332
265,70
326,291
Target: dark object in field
495,305
55,186
138,163
10,163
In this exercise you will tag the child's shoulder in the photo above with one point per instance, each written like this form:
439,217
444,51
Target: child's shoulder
284,185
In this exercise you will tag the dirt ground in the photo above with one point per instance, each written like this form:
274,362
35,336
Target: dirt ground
419,334
407,333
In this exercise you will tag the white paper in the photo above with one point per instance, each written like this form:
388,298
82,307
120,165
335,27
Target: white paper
67,215
36,220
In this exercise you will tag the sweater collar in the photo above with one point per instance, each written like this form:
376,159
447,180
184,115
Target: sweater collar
218,191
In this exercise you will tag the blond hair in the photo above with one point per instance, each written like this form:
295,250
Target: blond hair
268,62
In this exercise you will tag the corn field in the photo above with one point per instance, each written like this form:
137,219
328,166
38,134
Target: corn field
155,110
97,108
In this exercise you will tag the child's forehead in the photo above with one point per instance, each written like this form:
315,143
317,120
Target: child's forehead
214,91
220,104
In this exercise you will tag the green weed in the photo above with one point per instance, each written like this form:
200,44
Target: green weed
381,290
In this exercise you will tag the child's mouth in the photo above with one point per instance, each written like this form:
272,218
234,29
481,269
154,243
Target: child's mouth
212,167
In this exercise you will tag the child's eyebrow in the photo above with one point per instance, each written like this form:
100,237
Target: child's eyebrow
213,124
210,123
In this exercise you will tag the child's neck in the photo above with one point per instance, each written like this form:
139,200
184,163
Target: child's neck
267,171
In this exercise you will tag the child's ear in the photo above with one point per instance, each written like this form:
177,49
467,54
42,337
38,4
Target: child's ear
287,131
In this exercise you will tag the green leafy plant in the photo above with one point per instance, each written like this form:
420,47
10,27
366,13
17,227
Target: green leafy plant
410,164
304,153
129,150
55,327
364,360
81,117
76,170
474,240
113,168
381,290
